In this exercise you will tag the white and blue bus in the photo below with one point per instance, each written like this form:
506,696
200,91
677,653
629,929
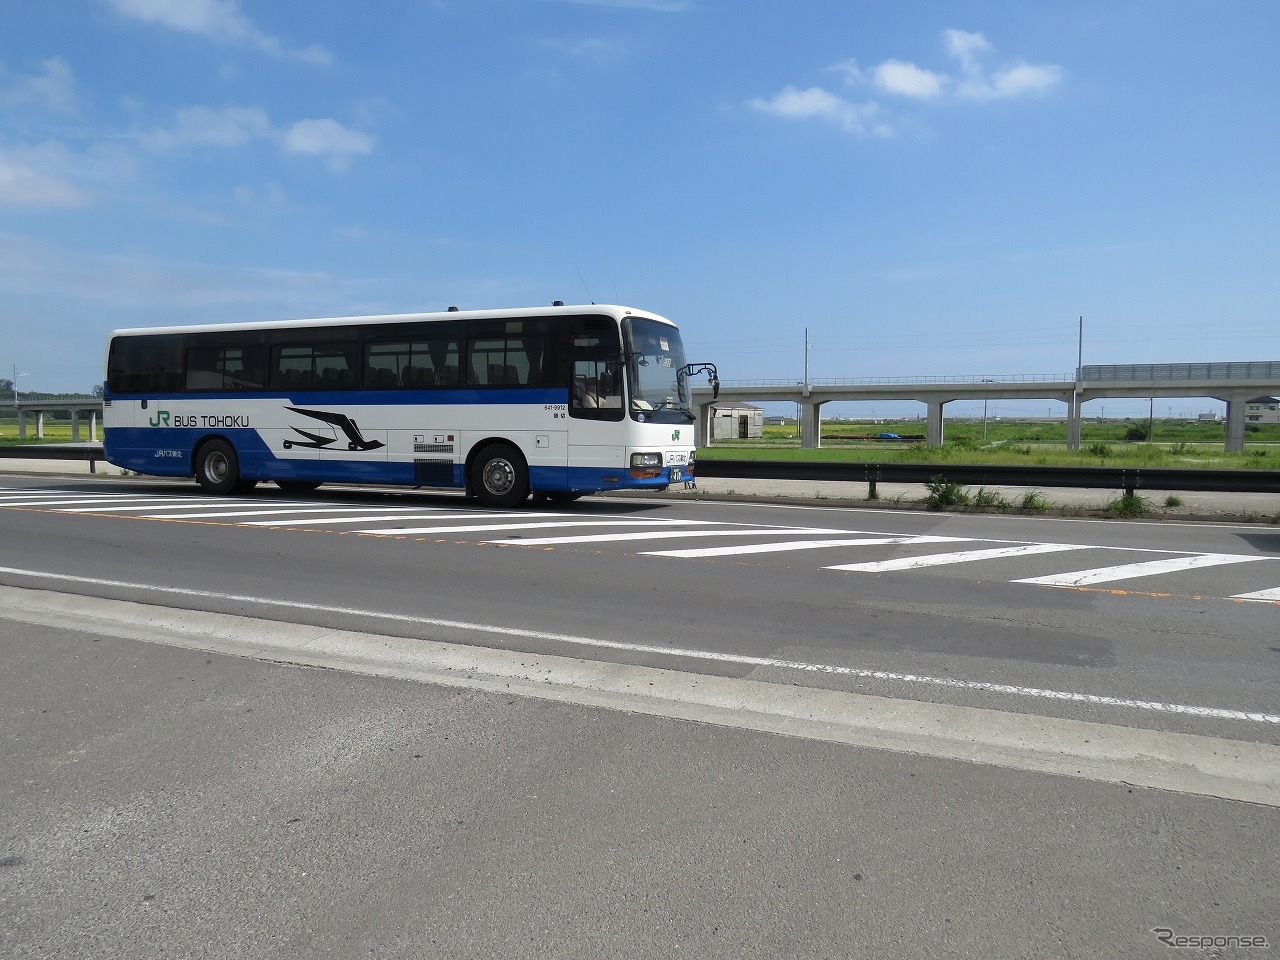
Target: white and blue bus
558,402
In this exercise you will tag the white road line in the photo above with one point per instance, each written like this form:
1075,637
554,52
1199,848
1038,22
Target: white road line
651,535
1130,571
402,516
112,503
1261,596
797,545
953,683
170,504
276,511
476,528
963,556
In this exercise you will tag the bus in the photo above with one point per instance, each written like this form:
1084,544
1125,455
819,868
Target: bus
555,401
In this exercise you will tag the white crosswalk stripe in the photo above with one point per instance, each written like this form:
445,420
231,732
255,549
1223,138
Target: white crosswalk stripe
556,529
750,548
1130,571
397,517
963,556
476,528
650,535
1262,596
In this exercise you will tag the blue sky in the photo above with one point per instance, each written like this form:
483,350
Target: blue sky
930,187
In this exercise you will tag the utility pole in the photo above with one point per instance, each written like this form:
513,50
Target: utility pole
806,360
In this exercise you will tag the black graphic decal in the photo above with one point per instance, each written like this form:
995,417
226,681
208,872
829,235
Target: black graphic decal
355,440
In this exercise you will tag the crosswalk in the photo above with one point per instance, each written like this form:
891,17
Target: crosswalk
1251,577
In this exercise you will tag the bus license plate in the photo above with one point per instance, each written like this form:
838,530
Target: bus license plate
677,474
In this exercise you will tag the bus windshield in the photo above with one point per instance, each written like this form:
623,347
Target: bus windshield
660,391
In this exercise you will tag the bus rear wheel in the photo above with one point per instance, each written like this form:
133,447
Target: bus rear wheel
500,476
217,467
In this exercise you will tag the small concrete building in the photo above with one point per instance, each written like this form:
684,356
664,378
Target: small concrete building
1262,410
738,421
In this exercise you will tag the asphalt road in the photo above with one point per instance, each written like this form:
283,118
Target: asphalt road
167,801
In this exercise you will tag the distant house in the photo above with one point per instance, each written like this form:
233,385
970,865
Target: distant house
738,421
1262,410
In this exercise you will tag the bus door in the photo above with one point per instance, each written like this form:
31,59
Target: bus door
595,399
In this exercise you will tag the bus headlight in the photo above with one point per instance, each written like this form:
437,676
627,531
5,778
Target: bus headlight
646,465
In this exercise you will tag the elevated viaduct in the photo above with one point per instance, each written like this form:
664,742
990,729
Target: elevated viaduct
1233,383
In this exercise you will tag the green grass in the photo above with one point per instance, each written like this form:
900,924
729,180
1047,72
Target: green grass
1178,444
54,432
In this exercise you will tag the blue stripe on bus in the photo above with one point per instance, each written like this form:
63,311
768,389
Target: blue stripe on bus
166,452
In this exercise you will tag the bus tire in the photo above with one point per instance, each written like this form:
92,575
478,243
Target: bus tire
217,467
500,477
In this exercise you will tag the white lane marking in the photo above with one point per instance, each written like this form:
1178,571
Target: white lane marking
1130,571
962,556
1215,713
1261,596
474,528
797,545
170,505
405,516
654,535
274,511
111,503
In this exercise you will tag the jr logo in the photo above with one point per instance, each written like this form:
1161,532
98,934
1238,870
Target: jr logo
675,435
161,417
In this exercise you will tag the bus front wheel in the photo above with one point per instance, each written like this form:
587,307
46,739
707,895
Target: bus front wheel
501,478
217,467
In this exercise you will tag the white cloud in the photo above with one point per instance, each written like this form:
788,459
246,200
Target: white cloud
138,281
53,88
227,127
818,103
327,138
908,80
230,127
902,78
1025,78
220,21
1016,80
966,47
594,49
36,178
852,73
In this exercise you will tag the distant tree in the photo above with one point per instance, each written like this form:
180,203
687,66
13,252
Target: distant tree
97,389
1136,434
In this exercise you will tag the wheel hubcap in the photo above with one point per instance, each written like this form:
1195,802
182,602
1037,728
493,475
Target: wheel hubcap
216,468
499,477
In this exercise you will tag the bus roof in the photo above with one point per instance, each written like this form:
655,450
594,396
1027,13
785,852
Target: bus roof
612,310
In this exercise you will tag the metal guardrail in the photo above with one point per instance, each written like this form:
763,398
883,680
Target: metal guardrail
1128,479
53,451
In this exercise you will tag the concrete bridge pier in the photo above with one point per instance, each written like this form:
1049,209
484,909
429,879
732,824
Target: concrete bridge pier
1236,403
1074,420
702,428
934,437
811,429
